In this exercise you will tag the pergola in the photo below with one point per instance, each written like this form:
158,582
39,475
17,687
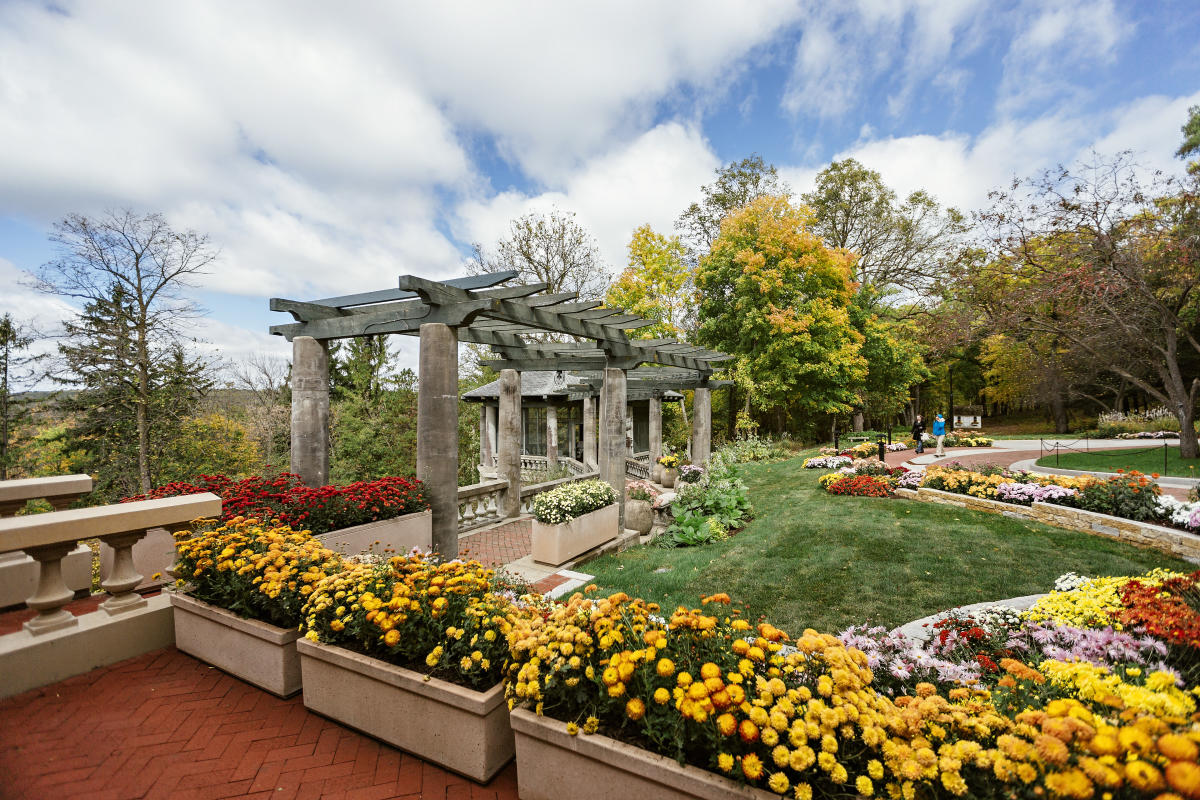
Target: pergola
510,320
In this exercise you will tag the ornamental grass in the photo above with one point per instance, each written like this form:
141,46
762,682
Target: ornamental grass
445,619
253,569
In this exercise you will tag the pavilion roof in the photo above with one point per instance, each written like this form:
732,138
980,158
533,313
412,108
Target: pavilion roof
509,319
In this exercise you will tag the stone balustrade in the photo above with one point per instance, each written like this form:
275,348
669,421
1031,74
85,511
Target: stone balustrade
479,504
19,572
533,490
637,469
49,538
59,491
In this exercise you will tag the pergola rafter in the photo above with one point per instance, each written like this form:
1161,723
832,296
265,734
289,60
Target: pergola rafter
514,321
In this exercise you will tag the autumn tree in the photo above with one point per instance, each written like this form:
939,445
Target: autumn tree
656,285
775,296
736,185
131,272
903,247
548,248
1098,258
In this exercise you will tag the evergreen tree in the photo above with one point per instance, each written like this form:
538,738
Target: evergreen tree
17,368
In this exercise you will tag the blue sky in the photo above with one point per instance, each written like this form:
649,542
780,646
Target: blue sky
327,149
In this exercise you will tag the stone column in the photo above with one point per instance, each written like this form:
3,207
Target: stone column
485,445
508,447
612,435
310,410
702,425
589,431
551,436
437,431
655,434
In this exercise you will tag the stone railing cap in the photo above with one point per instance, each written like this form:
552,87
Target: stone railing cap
38,488
57,527
480,488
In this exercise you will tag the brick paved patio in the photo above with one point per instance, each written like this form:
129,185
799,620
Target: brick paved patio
500,544
166,725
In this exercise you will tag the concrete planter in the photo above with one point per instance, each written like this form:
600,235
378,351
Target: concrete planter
552,764
462,730
257,652
639,516
558,544
669,476
397,535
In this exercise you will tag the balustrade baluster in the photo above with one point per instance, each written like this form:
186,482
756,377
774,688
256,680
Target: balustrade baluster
52,591
123,577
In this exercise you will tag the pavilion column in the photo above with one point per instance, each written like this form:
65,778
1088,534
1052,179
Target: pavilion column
612,435
589,431
552,436
655,434
702,425
485,445
437,432
310,411
509,446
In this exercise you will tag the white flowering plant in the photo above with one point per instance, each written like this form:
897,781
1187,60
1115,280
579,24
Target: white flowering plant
572,500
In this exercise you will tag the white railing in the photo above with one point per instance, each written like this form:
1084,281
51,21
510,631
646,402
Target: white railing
19,572
479,504
535,462
59,491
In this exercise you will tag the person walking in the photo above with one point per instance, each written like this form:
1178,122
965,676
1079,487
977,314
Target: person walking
939,431
918,433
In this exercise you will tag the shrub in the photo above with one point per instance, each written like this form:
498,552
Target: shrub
440,618
253,570
690,473
285,499
572,500
752,448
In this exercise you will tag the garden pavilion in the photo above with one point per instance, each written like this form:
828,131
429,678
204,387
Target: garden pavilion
514,321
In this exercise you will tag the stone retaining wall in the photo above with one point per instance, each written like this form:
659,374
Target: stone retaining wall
1143,534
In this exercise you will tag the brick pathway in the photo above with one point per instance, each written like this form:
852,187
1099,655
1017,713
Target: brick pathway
165,725
498,545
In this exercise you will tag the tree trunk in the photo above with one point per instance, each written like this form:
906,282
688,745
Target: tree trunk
143,417
731,411
858,421
1058,412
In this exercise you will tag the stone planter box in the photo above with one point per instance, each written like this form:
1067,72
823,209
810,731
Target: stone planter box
669,476
398,535
463,730
552,764
558,544
257,652
639,516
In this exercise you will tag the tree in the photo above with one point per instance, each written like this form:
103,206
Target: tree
772,294
656,285
894,361
737,184
547,248
1191,134
360,369
903,248
265,379
17,368
130,271
1099,259
374,437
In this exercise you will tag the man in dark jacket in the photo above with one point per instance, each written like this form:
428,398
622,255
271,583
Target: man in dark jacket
918,433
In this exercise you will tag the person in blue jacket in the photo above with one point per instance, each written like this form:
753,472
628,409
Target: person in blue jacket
939,431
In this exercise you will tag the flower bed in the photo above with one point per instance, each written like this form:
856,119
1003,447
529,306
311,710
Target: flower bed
710,509
996,705
859,486
285,499
827,462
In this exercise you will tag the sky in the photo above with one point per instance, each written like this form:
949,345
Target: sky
328,148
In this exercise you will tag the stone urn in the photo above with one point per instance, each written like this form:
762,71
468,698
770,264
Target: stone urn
669,476
639,516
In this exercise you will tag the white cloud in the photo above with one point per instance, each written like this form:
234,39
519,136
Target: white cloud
651,180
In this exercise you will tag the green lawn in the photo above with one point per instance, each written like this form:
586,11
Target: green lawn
811,559
1148,460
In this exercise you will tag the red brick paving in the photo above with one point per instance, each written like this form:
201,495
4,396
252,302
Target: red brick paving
550,582
165,725
499,545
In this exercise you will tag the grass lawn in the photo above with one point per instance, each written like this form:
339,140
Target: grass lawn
1149,460
811,559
